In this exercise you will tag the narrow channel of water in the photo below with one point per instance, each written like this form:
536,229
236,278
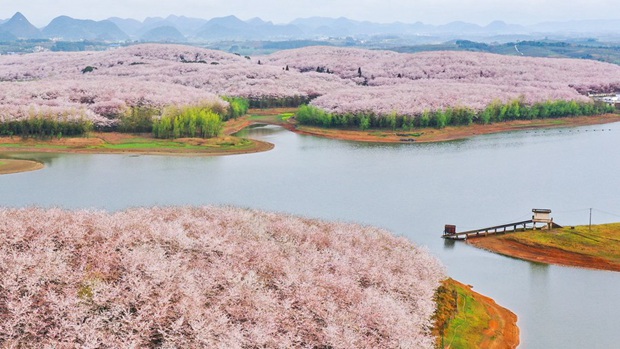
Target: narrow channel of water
411,189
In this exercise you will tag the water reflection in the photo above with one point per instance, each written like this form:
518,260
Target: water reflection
45,158
448,244
260,130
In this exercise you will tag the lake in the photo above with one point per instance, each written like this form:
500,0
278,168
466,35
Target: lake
409,189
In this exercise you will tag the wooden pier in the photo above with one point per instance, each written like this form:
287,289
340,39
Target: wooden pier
540,220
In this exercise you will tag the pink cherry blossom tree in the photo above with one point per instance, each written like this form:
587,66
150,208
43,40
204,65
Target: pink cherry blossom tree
209,277
346,80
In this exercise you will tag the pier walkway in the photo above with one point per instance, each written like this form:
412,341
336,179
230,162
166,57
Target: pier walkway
498,229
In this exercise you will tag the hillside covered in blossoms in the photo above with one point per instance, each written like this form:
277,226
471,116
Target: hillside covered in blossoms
101,86
209,277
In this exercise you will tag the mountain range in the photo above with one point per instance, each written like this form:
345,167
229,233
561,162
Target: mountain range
181,29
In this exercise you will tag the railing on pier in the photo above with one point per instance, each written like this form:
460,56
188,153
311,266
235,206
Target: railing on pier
450,232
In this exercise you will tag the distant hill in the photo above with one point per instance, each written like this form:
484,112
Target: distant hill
68,28
186,25
576,49
20,27
7,37
151,24
586,26
501,27
227,28
163,34
325,26
231,27
459,27
129,26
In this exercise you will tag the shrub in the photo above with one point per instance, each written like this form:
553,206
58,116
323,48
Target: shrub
138,119
45,127
192,121
237,106
88,69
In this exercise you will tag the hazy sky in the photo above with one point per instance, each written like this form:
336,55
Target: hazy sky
40,12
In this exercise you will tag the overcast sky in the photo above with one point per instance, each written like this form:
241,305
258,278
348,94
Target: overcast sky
41,12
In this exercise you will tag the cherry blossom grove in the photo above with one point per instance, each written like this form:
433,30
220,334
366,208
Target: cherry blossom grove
409,84
97,84
209,277
98,99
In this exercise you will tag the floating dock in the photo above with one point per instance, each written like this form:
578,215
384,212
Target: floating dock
540,220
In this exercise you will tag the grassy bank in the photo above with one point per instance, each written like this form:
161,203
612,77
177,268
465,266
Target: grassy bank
597,247
466,319
285,117
111,142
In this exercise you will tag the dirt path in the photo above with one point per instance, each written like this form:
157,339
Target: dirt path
540,254
8,166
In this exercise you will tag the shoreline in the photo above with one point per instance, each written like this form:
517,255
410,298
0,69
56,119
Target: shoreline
11,166
542,254
96,143
592,247
450,133
503,331
500,332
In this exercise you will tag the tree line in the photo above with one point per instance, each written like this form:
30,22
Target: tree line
280,102
43,127
187,122
169,122
495,112
203,121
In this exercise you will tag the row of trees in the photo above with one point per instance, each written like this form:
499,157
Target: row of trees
142,119
187,122
200,120
280,102
137,120
237,106
43,127
495,112
203,121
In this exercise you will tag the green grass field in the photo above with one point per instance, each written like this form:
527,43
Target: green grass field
602,241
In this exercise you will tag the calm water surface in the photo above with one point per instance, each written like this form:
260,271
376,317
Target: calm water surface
412,190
